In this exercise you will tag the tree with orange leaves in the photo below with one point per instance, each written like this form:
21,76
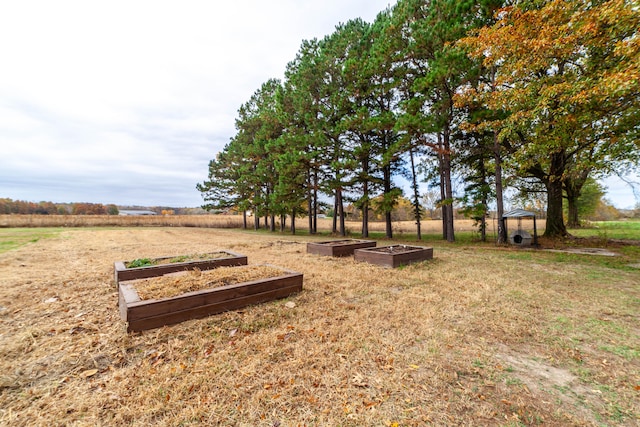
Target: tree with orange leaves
567,82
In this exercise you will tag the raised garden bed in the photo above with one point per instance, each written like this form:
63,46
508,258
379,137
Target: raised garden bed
393,256
338,248
143,268
219,290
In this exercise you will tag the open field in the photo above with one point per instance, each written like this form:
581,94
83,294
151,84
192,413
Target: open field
203,221
216,221
213,221
604,230
480,335
629,229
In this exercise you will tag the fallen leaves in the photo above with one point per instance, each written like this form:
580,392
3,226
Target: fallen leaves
88,373
358,380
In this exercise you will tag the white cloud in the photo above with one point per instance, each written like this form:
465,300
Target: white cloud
99,100
127,101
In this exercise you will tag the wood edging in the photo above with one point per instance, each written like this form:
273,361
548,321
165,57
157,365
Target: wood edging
393,260
148,314
330,248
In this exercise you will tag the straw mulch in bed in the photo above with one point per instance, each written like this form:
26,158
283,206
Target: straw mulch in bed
171,285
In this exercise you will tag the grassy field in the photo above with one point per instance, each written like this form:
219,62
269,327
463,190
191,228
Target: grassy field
480,335
432,229
15,237
605,230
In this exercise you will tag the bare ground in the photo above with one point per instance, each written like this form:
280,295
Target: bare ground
477,336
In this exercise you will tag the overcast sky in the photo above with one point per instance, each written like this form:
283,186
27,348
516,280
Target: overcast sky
126,102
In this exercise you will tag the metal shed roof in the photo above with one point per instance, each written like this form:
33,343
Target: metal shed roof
518,213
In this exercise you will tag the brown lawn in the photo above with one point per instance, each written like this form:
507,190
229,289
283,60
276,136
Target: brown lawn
480,335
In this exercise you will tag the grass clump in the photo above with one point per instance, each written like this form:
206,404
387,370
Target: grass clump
147,262
139,262
13,238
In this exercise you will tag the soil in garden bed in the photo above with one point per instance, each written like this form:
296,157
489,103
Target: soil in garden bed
395,249
147,262
171,285
341,242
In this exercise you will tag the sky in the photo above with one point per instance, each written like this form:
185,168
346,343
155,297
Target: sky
125,102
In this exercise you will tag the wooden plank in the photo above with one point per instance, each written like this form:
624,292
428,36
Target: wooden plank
118,266
126,295
338,248
147,314
377,256
214,308
149,308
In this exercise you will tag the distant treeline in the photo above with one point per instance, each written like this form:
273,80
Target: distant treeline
8,206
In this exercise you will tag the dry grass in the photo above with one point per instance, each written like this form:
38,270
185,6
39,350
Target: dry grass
171,285
478,336
221,221
202,221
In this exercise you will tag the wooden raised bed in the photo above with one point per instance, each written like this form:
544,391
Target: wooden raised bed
148,314
338,248
123,273
393,256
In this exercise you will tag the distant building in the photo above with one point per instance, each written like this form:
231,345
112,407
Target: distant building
136,213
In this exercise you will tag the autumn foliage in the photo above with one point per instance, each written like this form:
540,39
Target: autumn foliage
559,86
525,96
8,206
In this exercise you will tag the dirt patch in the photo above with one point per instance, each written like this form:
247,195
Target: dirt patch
585,251
395,249
543,379
341,242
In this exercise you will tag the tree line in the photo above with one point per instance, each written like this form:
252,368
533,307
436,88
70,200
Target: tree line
9,206
538,96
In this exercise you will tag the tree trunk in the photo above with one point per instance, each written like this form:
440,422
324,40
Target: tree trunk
573,188
573,221
555,221
502,231
365,218
448,189
416,195
386,173
244,219
484,190
483,221
310,202
293,221
443,197
315,202
334,225
256,219
343,230
365,200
